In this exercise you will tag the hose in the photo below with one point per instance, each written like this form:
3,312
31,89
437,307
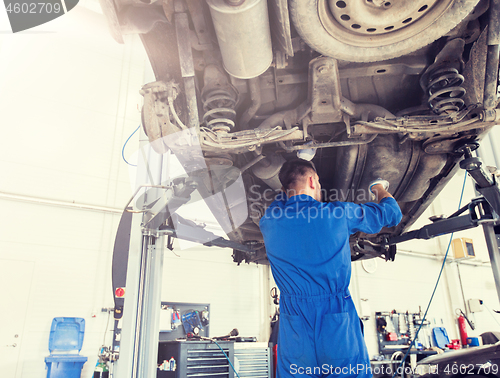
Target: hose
174,113
435,287
252,142
125,144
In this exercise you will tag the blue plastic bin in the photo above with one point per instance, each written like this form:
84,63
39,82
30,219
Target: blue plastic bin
64,366
473,341
65,342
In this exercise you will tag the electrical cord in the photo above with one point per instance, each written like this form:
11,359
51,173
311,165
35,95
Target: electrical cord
222,350
227,358
491,313
123,148
106,330
394,360
433,292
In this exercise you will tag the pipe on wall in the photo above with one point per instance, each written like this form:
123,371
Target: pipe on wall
72,205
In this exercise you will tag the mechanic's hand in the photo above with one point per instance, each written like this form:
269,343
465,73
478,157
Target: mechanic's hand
379,189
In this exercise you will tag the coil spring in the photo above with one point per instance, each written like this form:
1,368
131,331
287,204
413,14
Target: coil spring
219,110
445,91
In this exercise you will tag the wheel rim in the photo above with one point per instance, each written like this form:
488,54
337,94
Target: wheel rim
374,23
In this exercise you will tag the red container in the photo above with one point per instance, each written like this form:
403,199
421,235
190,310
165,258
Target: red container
391,336
455,344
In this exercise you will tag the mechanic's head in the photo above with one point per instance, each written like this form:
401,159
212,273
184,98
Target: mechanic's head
299,177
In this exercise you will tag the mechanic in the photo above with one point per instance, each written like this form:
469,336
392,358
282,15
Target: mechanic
307,243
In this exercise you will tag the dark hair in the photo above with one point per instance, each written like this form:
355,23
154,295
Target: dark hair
294,170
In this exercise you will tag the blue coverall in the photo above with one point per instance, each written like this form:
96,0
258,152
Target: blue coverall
307,244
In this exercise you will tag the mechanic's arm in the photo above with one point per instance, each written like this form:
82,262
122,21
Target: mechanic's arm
371,217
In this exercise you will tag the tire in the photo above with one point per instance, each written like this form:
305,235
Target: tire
310,16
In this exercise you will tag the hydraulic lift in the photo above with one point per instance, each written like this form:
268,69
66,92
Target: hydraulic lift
151,220
482,211
149,223
142,234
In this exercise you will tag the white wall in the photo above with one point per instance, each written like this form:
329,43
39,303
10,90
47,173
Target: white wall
69,100
237,295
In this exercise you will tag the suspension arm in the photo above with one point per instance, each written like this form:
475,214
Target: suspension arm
479,212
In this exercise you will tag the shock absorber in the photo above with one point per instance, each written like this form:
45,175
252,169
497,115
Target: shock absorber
219,110
219,100
442,81
445,91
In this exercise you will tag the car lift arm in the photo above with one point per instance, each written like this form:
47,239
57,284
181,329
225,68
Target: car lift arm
187,230
483,211
479,212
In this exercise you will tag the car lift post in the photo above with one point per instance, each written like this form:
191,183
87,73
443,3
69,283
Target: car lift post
488,187
493,242
483,211
141,310
140,330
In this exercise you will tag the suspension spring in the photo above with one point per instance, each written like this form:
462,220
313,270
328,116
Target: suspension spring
219,105
445,91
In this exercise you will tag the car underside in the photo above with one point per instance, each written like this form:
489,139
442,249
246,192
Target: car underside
367,89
